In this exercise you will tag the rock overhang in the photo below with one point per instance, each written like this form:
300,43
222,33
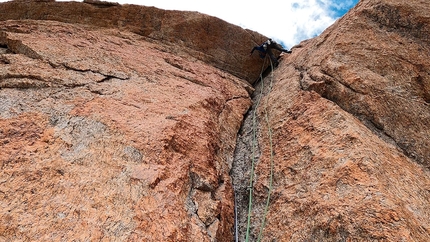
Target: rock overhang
206,38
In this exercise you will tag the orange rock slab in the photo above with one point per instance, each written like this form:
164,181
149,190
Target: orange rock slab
108,136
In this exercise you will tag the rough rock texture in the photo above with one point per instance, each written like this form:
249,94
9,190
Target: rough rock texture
382,75
206,38
348,113
107,135
119,123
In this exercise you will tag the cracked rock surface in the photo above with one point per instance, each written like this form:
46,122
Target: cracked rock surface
119,123
349,113
106,136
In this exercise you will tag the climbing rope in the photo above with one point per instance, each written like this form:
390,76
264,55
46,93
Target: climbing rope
236,226
254,141
269,130
254,138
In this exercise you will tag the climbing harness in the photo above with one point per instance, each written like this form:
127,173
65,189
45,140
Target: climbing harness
254,140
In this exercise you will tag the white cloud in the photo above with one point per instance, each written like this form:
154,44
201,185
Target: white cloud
289,22
286,21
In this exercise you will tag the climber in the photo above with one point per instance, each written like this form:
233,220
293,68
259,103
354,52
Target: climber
267,47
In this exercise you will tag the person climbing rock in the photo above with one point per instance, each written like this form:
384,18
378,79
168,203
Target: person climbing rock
266,48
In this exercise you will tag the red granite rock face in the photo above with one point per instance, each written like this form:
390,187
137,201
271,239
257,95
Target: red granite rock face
108,136
206,38
378,71
120,123
348,113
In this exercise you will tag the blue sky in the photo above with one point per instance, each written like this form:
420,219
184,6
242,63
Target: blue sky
287,21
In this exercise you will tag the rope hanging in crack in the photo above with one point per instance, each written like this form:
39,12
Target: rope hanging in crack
236,226
254,140
269,130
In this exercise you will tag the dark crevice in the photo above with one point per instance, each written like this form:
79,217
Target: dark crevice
53,65
106,79
102,4
301,81
247,150
191,205
68,67
107,76
199,183
377,129
263,75
26,81
3,49
425,92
